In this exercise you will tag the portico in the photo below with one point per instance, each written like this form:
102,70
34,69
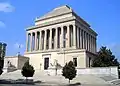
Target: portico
68,36
60,30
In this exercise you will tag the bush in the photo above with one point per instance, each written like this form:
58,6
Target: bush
1,71
69,71
1,66
27,70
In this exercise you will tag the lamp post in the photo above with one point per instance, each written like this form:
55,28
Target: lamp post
19,47
56,66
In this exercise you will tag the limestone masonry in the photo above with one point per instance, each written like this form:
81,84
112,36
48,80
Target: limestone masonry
58,37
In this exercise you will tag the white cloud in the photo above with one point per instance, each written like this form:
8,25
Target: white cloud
17,45
6,7
2,25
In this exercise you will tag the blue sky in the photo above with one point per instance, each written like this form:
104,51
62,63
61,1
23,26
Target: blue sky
17,15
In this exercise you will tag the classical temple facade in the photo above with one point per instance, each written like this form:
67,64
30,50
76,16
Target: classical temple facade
58,37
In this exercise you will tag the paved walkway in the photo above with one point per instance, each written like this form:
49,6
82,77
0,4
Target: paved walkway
85,80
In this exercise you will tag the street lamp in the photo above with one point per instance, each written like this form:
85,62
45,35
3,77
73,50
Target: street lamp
56,66
19,46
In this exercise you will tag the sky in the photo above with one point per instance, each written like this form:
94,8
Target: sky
17,15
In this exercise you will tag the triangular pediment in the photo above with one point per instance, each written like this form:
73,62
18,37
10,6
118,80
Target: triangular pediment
57,11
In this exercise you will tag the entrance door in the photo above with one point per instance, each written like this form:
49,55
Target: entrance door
46,63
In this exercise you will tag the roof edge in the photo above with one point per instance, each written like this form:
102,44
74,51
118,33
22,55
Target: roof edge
80,19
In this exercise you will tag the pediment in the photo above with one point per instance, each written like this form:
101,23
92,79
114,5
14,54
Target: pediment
56,12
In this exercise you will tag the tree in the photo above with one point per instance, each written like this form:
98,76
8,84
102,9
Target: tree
105,58
69,71
2,55
27,70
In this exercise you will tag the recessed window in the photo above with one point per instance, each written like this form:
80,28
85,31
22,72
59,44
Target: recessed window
75,62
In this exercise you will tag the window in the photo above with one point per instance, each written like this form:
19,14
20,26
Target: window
89,61
75,61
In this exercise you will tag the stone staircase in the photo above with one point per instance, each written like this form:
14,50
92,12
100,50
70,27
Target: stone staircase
59,80
108,78
12,75
112,79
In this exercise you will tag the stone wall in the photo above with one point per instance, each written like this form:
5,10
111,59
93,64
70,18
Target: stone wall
13,63
112,71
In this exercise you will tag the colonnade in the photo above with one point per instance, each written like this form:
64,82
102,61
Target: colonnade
69,36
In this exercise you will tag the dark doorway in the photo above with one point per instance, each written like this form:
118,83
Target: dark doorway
75,62
46,63
89,62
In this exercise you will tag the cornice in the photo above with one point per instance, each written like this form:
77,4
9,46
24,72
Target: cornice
51,23
59,51
88,28
37,20
79,18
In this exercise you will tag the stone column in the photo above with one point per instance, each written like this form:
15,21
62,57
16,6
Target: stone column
91,42
56,38
80,39
95,46
74,36
31,42
27,42
50,42
40,40
45,37
77,37
83,39
61,38
68,37
88,41
35,41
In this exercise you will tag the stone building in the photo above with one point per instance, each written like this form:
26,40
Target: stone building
12,63
60,36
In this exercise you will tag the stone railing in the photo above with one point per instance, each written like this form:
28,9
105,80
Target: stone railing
112,71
